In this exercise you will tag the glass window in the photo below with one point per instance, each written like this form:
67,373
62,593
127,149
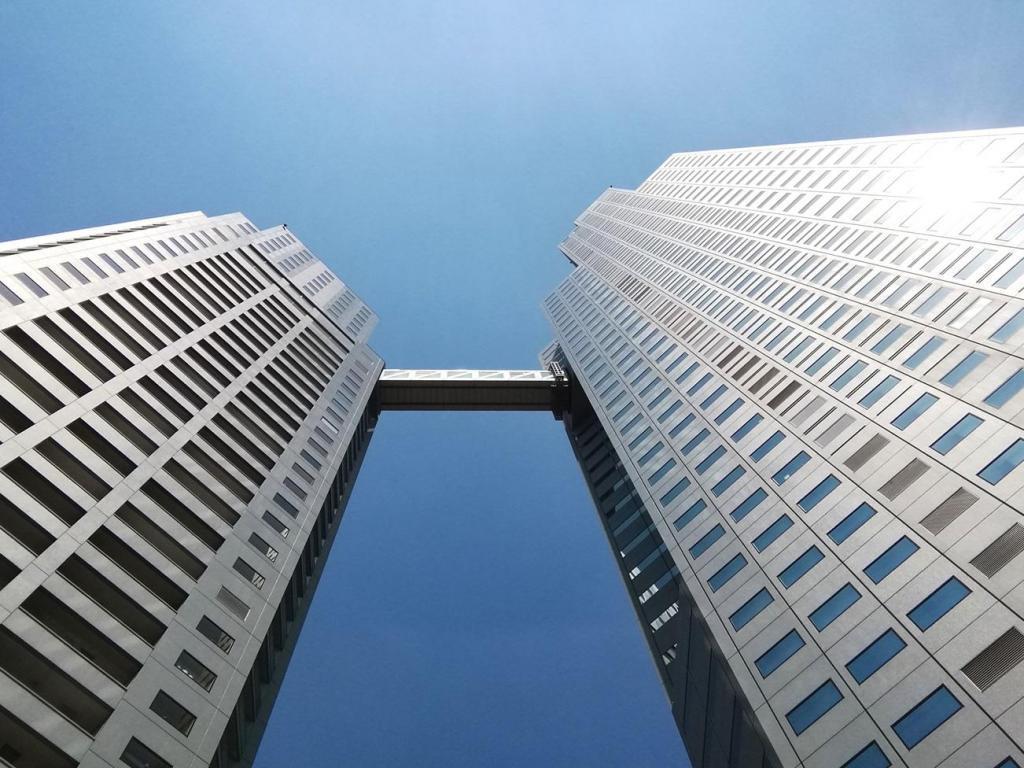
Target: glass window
706,541
863,323
791,468
923,352
720,577
834,607
879,391
653,451
956,433
799,567
727,482
875,656
914,411
710,399
891,559
818,492
708,461
871,756
822,360
1008,763
848,375
845,527
670,410
682,425
674,491
748,504
688,516
779,653
733,407
961,369
746,612
1004,463
663,470
1001,395
886,341
765,448
938,603
639,438
748,425
772,532
695,441
699,383
1010,327
810,710
915,726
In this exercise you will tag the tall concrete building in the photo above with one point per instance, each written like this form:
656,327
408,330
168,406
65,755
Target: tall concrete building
791,377
797,376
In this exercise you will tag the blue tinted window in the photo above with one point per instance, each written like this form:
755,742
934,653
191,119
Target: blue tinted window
692,367
706,541
871,756
914,410
682,425
792,467
810,710
676,362
772,532
1001,395
764,448
674,491
863,323
726,482
845,527
880,390
699,383
661,471
938,603
922,354
750,609
848,375
798,350
639,438
695,509
661,396
875,656
1009,762
1004,463
653,451
695,441
829,321
886,341
779,653
800,566
890,560
733,407
1010,327
818,492
748,504
961,369
956,433
748,425
710,399
915,726
832,608
722,575
670,410
710,460
821,361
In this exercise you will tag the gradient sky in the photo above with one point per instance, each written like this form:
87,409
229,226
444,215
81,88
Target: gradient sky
434,154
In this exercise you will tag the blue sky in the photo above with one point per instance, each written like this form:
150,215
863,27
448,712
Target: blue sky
435,154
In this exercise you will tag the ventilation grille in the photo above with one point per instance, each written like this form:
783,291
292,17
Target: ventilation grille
870,448
834,431
986,669
903,479
996,555
948,511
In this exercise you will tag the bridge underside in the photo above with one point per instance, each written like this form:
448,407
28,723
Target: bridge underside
471,390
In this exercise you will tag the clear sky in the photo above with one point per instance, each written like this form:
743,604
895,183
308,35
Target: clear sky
434,154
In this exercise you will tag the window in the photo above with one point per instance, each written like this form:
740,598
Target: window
886,341
834,607
923,352
746,612
663,470
961,369
956,433
879,391
779,653
791,468
1009,328
747,426
138,755
817,493
801,566
674,491
726,482
194,669
914,410
813,708
1004,463
653,451
695,441
890,560
710,459
768,536
212,632
748,504
1001,395
871,756
695,509
733,407
915,726
720,577
706,541
848,375
846,527
765,448
167,708
875,656
938,603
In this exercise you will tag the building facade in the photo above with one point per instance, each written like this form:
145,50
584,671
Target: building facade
183,409
797,403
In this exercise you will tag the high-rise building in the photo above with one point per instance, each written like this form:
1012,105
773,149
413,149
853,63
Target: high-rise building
182,412
797,376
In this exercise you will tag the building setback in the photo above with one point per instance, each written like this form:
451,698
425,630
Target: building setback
797,402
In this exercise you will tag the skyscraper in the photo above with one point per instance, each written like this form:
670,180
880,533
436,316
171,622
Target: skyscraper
183,410
797,378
